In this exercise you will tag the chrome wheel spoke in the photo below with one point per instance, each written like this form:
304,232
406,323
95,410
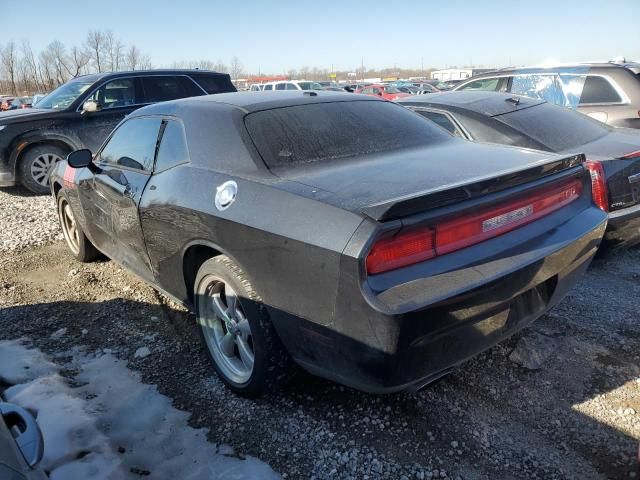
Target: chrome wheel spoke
244,328
227,345
246,354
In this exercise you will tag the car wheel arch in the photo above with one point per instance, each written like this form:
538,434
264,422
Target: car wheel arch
194,255
24,145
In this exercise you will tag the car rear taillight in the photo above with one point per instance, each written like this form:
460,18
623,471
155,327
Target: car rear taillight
417,245
404,249
598,184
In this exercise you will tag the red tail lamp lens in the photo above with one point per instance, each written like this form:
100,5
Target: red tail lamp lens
402,250
475,228
415,246
599,190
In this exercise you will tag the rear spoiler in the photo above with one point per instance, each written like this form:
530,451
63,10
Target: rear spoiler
440,197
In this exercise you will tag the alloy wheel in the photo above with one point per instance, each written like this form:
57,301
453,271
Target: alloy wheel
226,330
69,226
41,166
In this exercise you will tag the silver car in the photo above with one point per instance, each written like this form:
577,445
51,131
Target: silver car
608,91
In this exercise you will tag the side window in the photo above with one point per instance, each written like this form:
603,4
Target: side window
173,146
268,87
485,84
598,90
115,94
280,86
162,88
133,145
214,83
442,120
291,86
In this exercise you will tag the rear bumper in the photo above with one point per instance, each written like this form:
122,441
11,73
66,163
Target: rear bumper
624,227
381,352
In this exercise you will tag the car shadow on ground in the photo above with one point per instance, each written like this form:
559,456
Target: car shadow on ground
487,404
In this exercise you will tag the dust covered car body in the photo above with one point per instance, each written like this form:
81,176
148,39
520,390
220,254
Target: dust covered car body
344,232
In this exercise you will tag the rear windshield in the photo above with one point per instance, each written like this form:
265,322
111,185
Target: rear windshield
328,131
556,127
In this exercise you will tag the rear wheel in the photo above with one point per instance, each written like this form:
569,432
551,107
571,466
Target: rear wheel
35,165
81,248
241,342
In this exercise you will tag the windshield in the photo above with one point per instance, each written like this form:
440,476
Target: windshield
64,95
338,130
310,86
556,127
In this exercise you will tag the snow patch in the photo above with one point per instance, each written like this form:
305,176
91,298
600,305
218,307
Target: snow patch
113,426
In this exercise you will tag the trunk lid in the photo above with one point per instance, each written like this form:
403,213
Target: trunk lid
395,184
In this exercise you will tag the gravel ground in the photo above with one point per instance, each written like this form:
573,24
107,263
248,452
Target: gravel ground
26,220
573,410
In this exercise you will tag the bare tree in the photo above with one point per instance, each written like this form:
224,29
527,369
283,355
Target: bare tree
78,60
8,57
145,62
235,68
220,66
132,58
113,51
95,44
30,68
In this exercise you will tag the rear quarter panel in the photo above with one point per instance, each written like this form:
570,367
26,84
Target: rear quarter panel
289,246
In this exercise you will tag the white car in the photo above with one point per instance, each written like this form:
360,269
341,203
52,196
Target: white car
256,87
292,85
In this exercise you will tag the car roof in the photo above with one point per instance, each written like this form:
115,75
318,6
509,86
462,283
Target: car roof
483,102
253,101
136,73
560,67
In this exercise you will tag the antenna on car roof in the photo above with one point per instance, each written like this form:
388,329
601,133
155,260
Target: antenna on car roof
310,94
514,100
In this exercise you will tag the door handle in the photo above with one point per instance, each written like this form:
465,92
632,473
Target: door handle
129,191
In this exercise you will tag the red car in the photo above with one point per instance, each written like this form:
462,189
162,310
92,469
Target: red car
388,92
5,103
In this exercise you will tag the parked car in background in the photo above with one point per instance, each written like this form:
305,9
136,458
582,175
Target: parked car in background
291,85
609,92
37,97
613,154
438,84
21,444
19,102
352,87
426,87
388,92
256,87
5,103
82,112
428,249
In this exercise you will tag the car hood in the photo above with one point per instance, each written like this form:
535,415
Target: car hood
24,114
374,184
617,143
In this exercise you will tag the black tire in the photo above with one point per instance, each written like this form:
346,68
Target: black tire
272,364
80,246
30,167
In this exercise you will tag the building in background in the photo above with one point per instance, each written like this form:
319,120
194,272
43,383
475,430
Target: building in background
457,73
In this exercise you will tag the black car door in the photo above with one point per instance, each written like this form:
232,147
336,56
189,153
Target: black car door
120,173
115,99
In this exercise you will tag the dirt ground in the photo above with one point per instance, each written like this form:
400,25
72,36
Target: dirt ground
578,416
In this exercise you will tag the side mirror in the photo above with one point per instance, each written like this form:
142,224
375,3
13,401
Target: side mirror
90,106
80,158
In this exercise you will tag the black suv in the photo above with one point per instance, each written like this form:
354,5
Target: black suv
81,114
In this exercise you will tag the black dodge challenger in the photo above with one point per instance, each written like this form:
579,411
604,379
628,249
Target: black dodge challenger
343,232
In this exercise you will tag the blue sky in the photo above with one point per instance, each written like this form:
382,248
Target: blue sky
275,36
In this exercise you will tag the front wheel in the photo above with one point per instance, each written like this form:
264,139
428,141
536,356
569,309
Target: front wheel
80,246
242,344
35,165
